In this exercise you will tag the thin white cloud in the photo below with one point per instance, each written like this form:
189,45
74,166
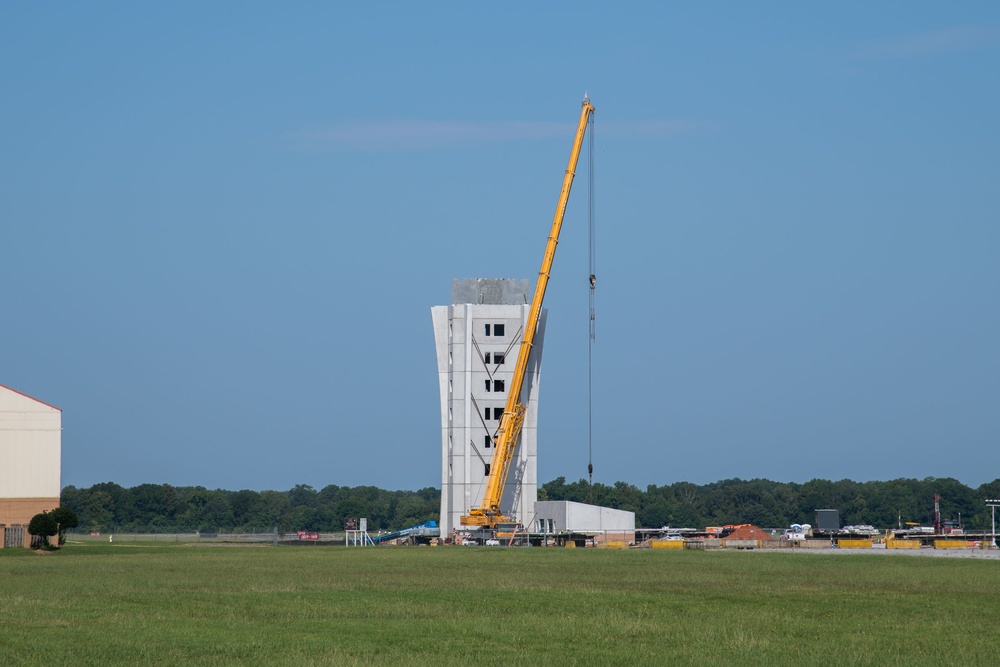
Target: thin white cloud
649,129
426,135
932,43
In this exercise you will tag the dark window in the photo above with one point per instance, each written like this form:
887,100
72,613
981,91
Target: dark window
489,441
486,358
497,358
487,468
487,330
497,329
487,385
486,413
498,385
497,413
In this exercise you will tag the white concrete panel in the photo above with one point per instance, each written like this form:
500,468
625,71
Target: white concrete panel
30,446
582,518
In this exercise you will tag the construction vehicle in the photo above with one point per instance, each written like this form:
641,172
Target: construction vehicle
488,514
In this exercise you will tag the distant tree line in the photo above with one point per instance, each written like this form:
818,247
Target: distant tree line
166,508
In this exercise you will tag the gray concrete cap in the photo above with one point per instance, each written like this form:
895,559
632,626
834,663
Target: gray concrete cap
496,291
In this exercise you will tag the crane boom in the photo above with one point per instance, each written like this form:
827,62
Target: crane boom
488,513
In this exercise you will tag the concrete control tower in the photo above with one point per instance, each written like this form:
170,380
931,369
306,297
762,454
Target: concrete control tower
478,338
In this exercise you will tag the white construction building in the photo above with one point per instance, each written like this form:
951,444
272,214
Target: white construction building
30,462
603,524
478,338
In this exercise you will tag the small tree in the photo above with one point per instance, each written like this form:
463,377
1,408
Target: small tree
65,519
43,526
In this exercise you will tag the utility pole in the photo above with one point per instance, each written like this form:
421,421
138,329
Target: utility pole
938,526
992,504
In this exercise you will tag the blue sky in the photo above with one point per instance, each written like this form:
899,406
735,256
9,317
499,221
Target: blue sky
224,225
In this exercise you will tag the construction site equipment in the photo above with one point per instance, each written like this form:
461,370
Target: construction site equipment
953,544
666,544
902,544
488,514
849,543
422,533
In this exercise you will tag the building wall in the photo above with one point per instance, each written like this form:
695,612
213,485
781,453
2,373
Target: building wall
564,516
15,511
30,456
462,343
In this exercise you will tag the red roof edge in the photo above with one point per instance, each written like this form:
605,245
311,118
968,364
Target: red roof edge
31,397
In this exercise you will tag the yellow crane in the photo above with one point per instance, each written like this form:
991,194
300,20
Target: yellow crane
488,513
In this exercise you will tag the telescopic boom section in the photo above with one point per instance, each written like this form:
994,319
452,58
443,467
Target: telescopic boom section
488,513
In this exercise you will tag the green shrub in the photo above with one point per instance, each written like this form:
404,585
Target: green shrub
43,526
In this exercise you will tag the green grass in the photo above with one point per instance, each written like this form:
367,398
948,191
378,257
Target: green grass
100,604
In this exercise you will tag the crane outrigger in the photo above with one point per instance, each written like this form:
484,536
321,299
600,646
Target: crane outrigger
488,514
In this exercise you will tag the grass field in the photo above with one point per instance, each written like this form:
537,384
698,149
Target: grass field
101,604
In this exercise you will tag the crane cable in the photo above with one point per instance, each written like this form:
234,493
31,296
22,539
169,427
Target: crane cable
593,333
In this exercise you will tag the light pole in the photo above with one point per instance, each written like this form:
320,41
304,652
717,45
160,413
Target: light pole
992,504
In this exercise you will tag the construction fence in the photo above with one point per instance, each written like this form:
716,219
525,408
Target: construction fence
195,537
